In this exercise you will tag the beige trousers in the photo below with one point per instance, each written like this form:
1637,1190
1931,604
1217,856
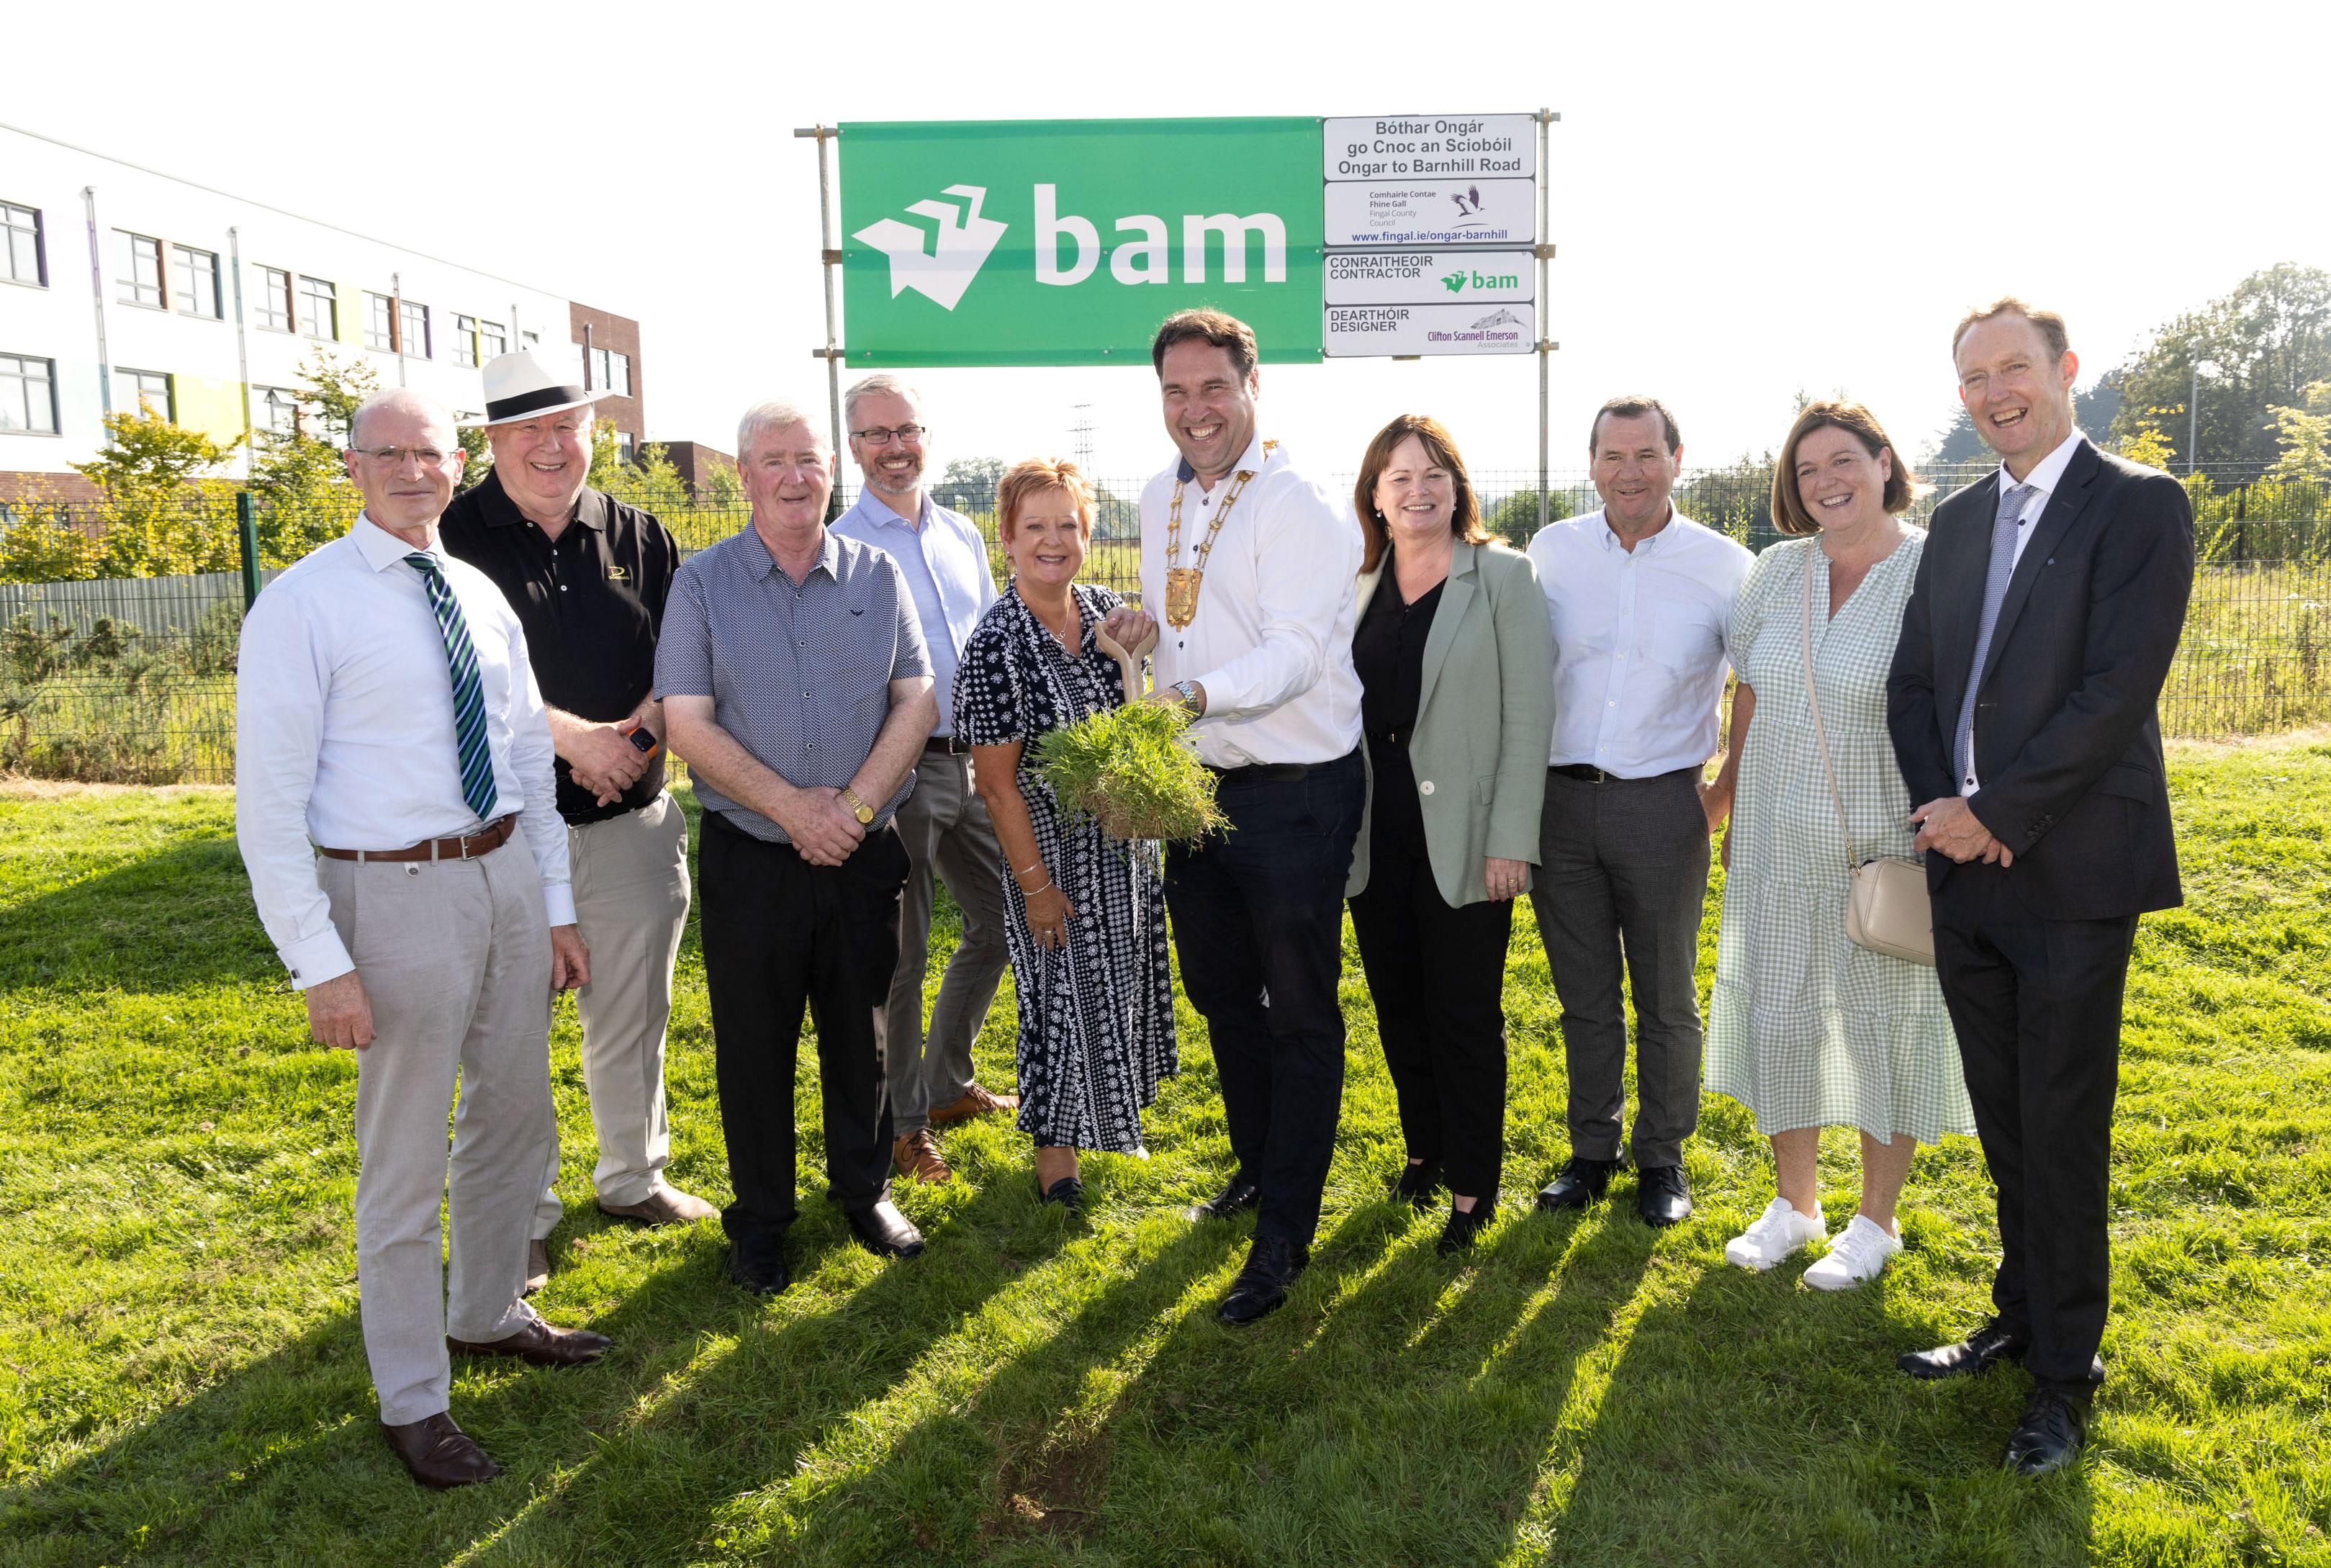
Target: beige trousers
455,960
631,903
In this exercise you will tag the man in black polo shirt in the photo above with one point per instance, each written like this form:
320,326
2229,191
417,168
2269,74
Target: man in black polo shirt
588,577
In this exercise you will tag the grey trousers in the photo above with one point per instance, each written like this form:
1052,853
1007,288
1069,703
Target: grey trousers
945,828
631,905
1621,884
455,960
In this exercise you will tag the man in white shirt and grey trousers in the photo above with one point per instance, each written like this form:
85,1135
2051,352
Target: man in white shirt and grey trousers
1253,570
386,714
1638,595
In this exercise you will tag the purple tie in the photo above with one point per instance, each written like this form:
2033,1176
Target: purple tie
1994,592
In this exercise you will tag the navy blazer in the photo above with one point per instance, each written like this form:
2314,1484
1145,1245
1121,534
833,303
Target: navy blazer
2067,726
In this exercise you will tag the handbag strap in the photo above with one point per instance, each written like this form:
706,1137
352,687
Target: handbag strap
1812,697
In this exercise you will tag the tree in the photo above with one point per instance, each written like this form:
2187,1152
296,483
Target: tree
299,476
157,522
2305,436
969,484
2268,341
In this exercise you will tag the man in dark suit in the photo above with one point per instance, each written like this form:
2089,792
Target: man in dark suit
2022,705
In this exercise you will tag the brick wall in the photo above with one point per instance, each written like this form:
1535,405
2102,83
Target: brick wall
621,334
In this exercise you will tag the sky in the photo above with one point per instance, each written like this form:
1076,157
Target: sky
1748,200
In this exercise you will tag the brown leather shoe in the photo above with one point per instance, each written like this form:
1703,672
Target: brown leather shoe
664,1206
537,1265
917,1155
541,1344
438,1454
975,1102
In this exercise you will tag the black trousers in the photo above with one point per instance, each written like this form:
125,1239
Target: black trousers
1258,923
2036,1005
781,935
1438,977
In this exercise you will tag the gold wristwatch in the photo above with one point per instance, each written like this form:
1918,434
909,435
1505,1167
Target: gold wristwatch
858,808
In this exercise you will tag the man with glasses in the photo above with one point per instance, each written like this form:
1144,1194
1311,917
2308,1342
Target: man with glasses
795,682
386,712
587,577
944,824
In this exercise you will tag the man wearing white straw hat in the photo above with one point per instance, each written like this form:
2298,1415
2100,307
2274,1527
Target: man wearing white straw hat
587,576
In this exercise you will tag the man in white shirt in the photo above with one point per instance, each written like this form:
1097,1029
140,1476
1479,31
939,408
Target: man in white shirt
1639,595
944,824
1252,569
386,712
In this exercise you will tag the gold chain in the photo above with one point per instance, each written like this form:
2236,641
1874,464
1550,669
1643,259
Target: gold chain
1182,582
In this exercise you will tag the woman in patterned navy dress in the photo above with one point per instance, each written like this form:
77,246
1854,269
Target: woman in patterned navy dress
1088,931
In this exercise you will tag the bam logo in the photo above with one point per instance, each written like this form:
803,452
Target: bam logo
1455,281
965,241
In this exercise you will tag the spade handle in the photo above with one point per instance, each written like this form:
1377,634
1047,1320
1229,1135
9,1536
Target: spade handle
1129,660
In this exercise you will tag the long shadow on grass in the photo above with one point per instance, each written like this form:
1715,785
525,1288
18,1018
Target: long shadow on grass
707,1394
1410,1425
178,916
1758,1420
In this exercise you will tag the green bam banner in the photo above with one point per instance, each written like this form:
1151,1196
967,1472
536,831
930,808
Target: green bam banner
1067,242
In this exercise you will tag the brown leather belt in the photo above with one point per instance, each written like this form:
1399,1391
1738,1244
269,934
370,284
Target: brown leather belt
469,847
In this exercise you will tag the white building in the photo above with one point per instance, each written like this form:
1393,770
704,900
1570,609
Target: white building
120,285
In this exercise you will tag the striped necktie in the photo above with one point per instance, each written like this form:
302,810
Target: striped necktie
2003,526
468,692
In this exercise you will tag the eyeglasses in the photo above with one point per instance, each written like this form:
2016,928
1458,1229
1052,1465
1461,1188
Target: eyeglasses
394,456
912,434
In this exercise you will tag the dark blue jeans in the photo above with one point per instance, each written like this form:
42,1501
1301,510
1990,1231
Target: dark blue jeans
1258,923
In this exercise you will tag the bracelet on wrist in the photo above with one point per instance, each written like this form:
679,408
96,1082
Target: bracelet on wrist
1032,892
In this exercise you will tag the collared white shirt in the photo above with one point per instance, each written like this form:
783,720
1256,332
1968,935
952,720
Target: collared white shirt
945,560
2043,478
1271,640
345,734
1638,658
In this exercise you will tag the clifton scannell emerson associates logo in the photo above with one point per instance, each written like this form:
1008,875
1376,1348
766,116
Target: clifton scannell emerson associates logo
1500,318
963,240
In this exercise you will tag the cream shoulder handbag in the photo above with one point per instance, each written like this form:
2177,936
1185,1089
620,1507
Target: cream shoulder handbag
1890,911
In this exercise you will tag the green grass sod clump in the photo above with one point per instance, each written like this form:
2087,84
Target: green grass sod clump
181,1377
1130,770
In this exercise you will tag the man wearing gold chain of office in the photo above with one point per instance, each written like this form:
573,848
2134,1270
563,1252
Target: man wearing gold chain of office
1252,568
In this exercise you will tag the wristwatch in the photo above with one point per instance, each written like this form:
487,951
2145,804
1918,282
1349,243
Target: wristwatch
858,808
1188,692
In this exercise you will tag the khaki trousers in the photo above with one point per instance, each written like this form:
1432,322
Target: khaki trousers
631,903
455,960
945,828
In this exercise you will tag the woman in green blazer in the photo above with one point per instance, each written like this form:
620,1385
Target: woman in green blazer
1455,655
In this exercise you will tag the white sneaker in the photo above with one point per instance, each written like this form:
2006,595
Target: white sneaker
1779,1232
1858,1255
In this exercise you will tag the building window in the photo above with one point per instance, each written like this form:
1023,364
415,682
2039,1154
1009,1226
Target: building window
416,338
492,341
611,372
28,394
319,309
197,281
380,323
275,298
276,410
625,449
465,341
531,340
21,257
146,389
141,272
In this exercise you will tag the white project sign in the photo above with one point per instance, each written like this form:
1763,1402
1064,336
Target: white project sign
1358,331
1428,276
1409,145
1415,213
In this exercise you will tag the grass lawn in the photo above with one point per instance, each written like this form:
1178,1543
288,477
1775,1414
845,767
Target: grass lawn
181,1377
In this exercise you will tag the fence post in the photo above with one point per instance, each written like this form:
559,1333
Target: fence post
246,527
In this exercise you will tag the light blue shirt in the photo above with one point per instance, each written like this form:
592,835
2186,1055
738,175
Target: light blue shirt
944,561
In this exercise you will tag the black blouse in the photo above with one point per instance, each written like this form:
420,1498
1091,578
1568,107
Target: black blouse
1388,652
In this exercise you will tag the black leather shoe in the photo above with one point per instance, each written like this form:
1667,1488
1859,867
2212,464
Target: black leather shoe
881,1229
1582,1182
438,1454
1458,1234
1416,1183
1240,1193
2055,1425
1662,1194
1067,1192
1979,1352
1261,1287
540,1342
760,1270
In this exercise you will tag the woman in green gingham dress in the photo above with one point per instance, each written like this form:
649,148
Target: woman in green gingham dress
1805,1029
